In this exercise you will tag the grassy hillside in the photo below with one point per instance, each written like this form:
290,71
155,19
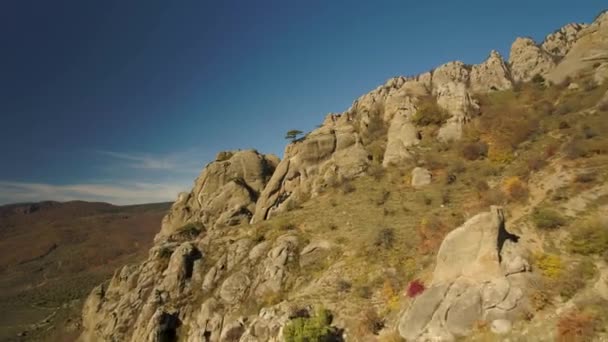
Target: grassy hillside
54,253
539,150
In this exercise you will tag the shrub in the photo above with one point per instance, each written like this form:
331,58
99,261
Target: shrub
492,197
369,323
549,264
309,329
588,132
347,187
390,294
515,189
500,154
364,292
382,198
538,79
587,177
343,285
415,288
535,164
575,326
376,171
429,113
385,238
591,237
544,218
475,150
539,300
576,278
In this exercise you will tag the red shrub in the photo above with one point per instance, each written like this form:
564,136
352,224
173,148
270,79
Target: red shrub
415,288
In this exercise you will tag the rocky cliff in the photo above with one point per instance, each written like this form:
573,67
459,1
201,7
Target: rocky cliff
227,267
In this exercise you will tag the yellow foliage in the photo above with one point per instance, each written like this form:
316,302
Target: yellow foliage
500,155
549,264
515,188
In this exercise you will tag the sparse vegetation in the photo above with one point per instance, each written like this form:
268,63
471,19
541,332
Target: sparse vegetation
429,113
308,329
385,238
475,150
515,189
575,325
549,264
370,323
589,237
545,218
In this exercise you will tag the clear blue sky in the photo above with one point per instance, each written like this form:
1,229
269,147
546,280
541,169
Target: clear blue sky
125,101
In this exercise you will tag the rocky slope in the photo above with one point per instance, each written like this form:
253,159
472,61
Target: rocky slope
246,255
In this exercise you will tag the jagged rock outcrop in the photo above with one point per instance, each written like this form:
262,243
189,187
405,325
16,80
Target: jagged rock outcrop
179,288
224,194
587,52
527,60
333,151
492,74
559,42
480,275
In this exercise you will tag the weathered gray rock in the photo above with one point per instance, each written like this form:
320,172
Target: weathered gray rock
421,312
468,284
493,74
559,42
601,73
224,194
234,287
500,326
527,59
421,177
401,132
464,312
458,102
329,152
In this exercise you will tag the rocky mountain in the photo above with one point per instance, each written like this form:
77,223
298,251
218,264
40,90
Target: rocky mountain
467,201
54,253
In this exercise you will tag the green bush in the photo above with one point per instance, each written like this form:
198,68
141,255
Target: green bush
589,238
385,238
429,113
310,329
544,218
475,150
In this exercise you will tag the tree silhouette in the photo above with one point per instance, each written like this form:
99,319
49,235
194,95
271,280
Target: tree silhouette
293,134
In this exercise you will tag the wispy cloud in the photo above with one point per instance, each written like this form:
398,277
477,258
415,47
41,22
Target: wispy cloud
183,162
11,192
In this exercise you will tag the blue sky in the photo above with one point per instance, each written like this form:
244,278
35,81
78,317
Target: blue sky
126,101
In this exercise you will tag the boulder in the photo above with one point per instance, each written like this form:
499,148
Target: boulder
500,326
234,287
421,177
468,283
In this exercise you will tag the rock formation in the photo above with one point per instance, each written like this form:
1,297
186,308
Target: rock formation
477,277
200,275
224,194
